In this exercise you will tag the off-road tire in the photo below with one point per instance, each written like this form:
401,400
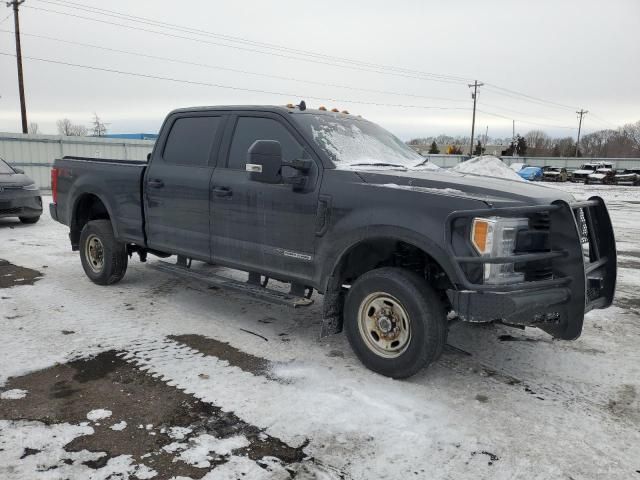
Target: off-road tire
29,220
426,315
115,253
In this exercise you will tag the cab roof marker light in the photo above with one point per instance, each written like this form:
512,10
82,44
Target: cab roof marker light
323,108
335,110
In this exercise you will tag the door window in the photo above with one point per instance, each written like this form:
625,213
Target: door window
190,141
250,129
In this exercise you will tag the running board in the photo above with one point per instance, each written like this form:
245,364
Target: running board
254,291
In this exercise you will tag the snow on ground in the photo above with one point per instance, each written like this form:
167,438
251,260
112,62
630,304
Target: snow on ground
98,414
501,403
14,394
487,165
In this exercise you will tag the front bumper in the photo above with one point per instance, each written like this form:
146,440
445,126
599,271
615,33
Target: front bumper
20,203
582,263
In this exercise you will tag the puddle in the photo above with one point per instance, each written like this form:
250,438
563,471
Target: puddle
66,393
12,275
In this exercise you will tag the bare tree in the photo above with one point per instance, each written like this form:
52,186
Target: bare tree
99,128
632,131
34,128
69,129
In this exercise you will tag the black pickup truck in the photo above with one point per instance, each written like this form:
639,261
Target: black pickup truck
331,202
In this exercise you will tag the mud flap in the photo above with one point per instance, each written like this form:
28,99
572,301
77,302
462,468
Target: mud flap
332,309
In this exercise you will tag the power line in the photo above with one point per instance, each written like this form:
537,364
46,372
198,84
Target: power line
218,67
230,87
236,47
6,18
278,77
524,121
367,66
603,121
148,21
513,93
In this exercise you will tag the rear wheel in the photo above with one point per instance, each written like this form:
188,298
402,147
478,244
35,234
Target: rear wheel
395,322
29,220
103,258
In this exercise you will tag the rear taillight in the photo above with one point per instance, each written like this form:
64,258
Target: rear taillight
54,184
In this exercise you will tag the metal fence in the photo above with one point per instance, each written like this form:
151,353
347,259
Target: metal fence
571,163
35,153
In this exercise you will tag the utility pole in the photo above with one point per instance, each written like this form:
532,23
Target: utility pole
581,113
16,20
474,95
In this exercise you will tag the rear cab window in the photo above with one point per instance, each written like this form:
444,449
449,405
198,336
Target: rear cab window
191,140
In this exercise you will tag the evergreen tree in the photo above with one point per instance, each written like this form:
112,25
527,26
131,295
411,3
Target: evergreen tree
434,148
479,150
521,146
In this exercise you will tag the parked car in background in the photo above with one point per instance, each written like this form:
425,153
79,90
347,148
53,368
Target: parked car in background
628,177
19,195
587,169
555,174
531,173
604,175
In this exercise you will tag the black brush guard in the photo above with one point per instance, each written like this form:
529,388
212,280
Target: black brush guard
582,259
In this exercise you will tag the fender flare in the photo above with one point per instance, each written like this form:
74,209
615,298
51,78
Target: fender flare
336,255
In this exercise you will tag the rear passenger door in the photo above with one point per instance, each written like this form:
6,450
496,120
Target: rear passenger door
177,185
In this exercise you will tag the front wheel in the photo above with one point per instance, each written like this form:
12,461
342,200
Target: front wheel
395,322
103,258
29,220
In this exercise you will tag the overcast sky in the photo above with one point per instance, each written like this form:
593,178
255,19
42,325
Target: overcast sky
577,53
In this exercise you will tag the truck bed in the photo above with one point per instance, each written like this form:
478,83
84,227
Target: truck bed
116,182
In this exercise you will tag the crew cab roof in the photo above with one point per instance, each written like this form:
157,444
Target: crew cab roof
281,109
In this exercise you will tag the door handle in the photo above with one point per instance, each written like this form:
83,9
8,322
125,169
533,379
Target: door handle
155,183
222,191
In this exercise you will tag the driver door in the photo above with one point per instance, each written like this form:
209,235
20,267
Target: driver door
263,227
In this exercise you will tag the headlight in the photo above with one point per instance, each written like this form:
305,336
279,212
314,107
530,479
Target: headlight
496,237
33,186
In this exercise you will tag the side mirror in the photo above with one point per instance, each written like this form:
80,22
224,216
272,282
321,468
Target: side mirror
264,161
18,170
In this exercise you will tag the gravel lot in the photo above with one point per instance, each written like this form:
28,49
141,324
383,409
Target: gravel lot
158,377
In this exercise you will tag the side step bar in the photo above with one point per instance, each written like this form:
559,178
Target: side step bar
251,290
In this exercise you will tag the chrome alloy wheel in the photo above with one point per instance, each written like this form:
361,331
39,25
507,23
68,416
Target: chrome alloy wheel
94,253
384,325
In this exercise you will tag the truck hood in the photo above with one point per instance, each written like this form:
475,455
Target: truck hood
15,180
494,191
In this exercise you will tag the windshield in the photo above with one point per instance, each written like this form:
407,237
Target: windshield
352,142
5,169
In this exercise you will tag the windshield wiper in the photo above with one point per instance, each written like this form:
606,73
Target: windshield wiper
377,164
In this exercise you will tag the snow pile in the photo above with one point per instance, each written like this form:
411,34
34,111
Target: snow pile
489,166
15,394
98,414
